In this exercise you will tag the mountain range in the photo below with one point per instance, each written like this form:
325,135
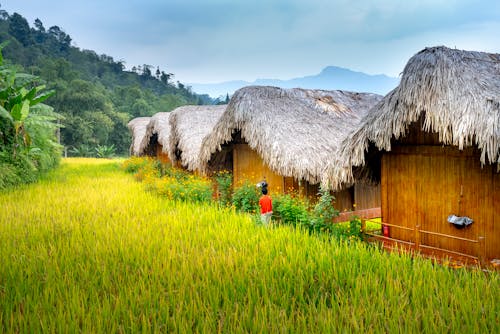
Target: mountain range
330,78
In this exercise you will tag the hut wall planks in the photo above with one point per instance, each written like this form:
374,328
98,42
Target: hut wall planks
423,184
248,165
160,155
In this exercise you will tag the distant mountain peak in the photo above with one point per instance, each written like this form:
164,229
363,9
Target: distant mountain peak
335,69
330,78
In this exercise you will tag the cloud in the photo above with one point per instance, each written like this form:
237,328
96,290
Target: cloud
216,40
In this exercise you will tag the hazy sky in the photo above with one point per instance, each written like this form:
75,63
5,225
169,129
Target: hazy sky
211,41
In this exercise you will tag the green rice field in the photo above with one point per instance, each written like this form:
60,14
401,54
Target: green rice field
88,250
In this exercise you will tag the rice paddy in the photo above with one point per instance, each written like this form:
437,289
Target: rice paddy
87,249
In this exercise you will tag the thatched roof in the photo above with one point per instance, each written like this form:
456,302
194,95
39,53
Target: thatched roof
189,125
138,128
158,125
457,93
295,131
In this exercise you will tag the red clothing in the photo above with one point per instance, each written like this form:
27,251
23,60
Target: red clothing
266,204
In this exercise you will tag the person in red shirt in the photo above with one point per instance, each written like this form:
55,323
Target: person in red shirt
266,207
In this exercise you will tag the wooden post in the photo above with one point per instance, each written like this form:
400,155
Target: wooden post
363,228
482,250
417,237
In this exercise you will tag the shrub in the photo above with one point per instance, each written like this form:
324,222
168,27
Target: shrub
81,151
8,176
350,230
224,180
104,151
323,213
28,145
134,164
174,173
169,182
192,190
290,209
246,198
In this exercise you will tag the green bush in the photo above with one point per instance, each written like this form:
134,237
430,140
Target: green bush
105,152
8,176
323,213
290,209
224,181
176,173
169,182
246,198
350,230
28,146
191,190
81,150
134,164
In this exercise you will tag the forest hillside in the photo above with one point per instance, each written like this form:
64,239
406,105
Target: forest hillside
95,93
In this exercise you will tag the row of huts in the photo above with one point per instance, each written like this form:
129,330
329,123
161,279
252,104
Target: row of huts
425,158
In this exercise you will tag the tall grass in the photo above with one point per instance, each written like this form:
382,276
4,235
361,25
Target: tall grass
88,250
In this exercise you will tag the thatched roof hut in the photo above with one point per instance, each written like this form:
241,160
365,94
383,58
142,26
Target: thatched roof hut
157,132
295,131
189,125
138,128
453,93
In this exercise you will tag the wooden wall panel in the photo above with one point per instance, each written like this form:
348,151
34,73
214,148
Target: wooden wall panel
310,191
344,200
423,185
366,196
160,155
399,205
291,185
492,230
248,165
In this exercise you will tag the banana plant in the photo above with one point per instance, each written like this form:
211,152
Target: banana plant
19,92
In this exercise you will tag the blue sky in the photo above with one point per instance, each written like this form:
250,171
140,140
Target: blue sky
211,41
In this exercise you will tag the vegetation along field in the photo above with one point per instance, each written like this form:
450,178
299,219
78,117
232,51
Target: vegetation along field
88,249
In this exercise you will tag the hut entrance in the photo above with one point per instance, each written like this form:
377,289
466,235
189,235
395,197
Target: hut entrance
423,185
160,155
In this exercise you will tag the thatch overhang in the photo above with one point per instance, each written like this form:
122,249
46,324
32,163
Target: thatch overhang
137,127
455,93
159,128
295,131
189,125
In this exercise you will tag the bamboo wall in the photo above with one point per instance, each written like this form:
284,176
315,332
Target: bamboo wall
423,184
366,196
247,165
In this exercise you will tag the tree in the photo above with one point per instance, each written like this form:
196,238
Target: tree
20,29
146,70
165,77
39,25
61,37
27,129
39,32
88,83
158,73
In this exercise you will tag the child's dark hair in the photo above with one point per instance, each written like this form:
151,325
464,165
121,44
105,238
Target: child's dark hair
264,191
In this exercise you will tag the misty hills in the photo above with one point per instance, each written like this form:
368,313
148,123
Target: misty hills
330,78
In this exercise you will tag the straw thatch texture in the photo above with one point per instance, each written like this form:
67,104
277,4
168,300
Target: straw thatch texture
189,125
456,92
158,125
295,131
138,128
